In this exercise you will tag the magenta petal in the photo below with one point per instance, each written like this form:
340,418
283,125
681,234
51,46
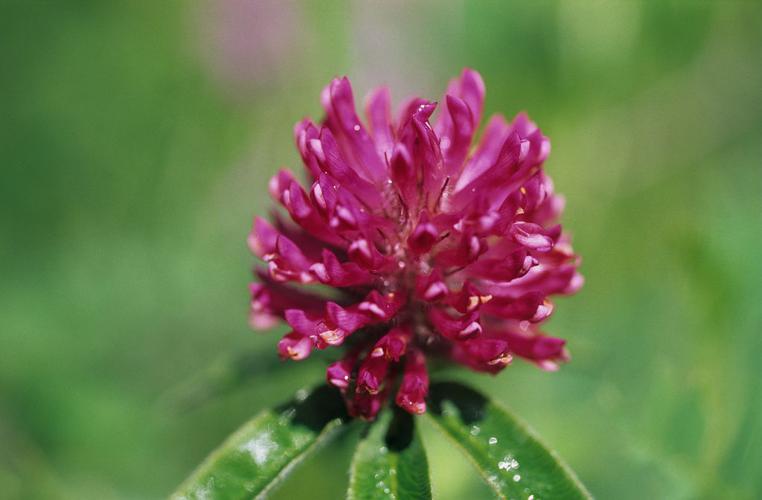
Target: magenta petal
427,156
270,300
468,299
359,144
304,132
504,268
303,323
378,111
279,183
482,354
404,175
533,307
469,89
464,252
431,287
348,320
301,210
455,328
326,150
543,278
339,374
364,253
392,346
532,236
291,253
461,133
472,91
263,314
485,154
382,307
423,236
323,195
414,388
294,346
339,274
366,405
416,107
538,348
371,374
262,238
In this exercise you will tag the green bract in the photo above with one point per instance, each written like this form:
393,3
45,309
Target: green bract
390,461
507,454
262,452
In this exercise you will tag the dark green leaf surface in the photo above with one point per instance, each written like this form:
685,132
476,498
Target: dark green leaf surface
251,461
390,462
508,455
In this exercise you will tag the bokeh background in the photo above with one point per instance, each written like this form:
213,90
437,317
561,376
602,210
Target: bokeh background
137,139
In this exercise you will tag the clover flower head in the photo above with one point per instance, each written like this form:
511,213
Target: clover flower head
426,246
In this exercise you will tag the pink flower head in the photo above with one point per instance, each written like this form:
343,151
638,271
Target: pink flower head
434,247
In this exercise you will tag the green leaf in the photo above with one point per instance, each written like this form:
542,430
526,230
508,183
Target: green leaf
507,454
262,452
390,462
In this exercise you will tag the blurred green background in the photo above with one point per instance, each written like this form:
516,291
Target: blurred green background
137,139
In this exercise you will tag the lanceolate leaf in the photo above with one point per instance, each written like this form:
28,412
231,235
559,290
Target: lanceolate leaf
390,462
251,461
508,455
